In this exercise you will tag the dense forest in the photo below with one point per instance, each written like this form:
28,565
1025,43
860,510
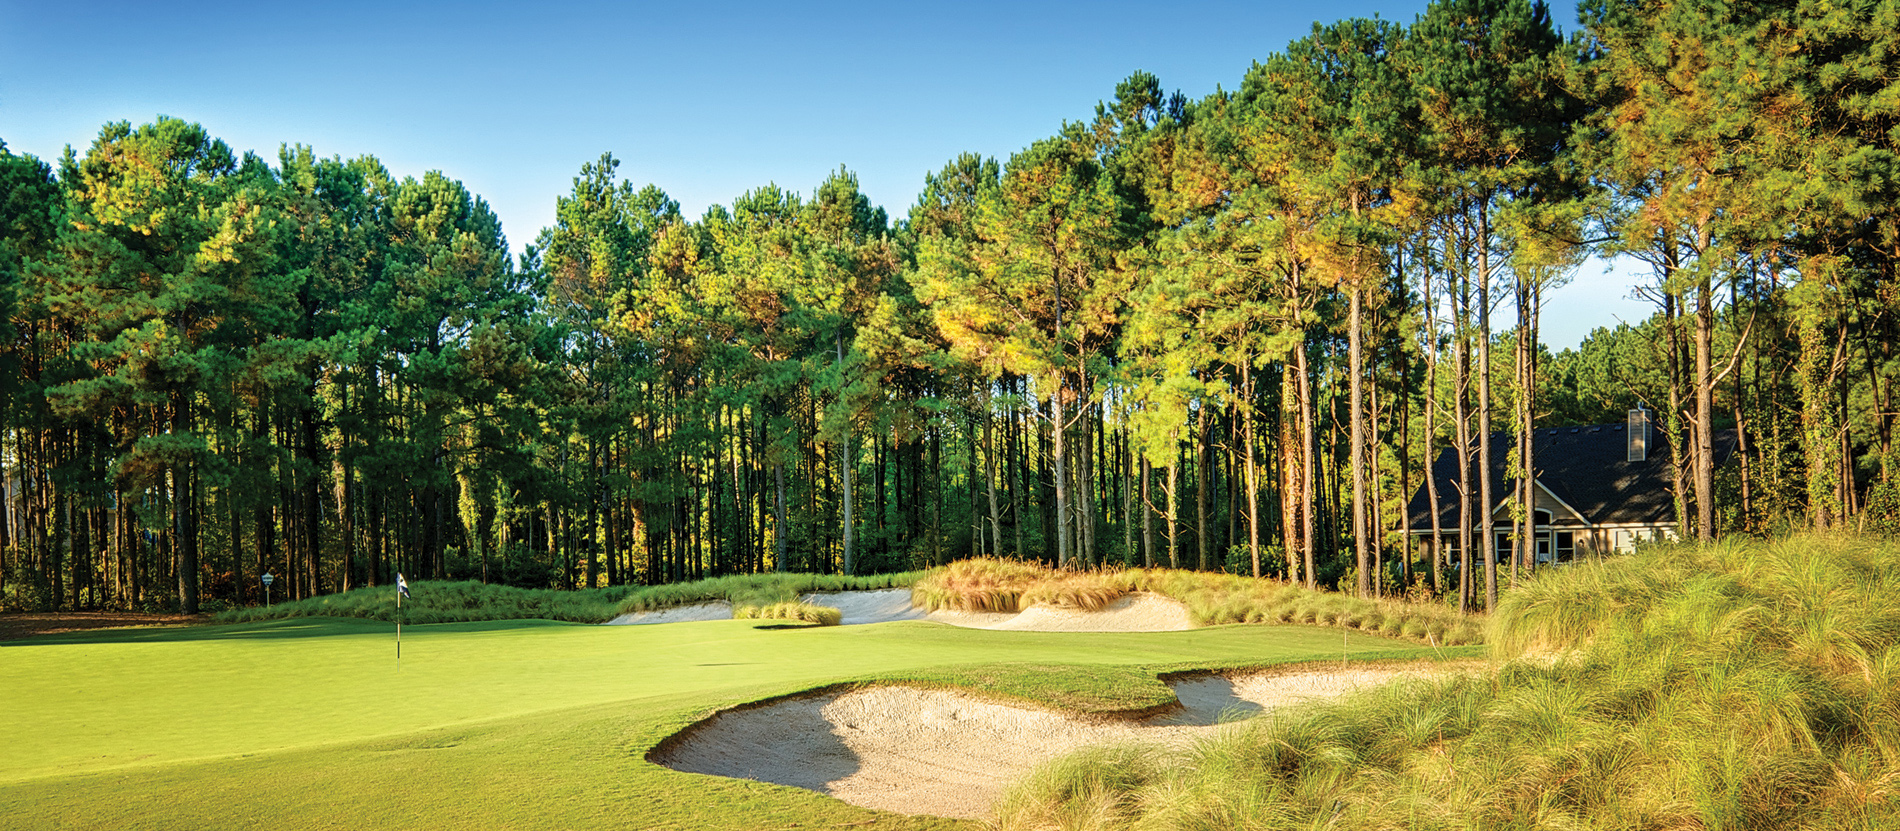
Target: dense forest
1226,333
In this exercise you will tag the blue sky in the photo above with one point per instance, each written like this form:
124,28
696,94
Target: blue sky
706,100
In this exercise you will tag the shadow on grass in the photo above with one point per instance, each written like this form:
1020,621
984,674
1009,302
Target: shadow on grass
292,628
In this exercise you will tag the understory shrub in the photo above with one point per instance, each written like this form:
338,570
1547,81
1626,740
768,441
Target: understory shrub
444,601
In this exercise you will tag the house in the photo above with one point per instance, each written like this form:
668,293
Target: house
1600,488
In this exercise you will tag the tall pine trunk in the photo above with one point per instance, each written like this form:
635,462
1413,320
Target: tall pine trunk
1461,324
1486,502
845,479
989,480
1702,461
1356,419
779,535
1202,453
184,501
1308,497
1059,457
1253,470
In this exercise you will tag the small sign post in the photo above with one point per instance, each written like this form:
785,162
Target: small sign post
267,581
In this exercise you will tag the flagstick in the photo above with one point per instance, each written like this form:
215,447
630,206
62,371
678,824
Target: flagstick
399,630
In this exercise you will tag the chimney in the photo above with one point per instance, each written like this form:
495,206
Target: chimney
1639,435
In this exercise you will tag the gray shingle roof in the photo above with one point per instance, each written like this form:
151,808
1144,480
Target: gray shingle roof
1585,466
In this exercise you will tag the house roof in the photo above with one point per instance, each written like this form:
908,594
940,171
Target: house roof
1587,467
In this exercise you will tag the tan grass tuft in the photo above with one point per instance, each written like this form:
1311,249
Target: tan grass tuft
790,610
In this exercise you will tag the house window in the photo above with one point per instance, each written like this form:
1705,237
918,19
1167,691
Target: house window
1566,546
1504,548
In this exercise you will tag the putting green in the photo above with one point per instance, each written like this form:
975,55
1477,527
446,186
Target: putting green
520,724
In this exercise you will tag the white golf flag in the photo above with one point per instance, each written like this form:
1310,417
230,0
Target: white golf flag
402,585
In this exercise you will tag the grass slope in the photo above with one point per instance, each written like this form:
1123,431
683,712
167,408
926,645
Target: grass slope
523,724
1745,685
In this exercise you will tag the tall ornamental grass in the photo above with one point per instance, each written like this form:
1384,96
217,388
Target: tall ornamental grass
1744,685
996,585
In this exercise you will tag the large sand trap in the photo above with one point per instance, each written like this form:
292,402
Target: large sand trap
877,606
716,610
1138,612
915,751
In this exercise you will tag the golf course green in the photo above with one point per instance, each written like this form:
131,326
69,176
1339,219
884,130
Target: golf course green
310,723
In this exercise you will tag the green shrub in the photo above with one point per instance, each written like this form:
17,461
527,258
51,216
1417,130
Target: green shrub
441,601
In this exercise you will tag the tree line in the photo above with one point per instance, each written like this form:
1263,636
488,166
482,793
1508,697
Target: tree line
1224,333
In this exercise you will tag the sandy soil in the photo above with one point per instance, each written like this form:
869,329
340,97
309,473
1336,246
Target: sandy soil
1139,612
717,610
878,606
14,626
915,751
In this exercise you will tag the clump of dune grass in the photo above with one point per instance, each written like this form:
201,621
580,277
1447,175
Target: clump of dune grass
790,610
1743,685
1212,599
979,584
1087,590
1091,788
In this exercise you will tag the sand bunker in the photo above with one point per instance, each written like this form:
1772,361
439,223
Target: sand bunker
717,610
915,751
1138,612
878,606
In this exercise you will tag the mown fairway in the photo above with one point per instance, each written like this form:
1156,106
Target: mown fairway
521,724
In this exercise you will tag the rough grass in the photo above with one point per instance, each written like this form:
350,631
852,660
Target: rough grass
1750,685
995,585
439,601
